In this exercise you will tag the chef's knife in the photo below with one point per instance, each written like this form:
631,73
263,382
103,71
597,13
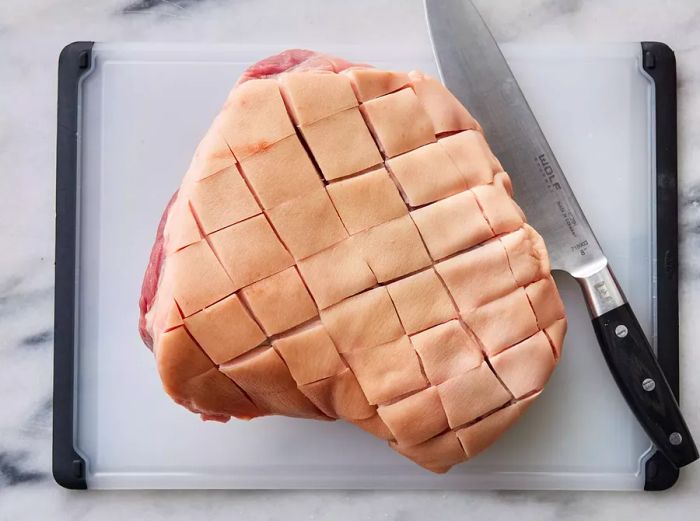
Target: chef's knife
473,68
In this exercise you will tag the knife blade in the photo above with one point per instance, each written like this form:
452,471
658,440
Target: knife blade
472,66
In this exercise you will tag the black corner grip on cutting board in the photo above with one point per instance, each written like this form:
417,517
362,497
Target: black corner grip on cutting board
659,62
68,466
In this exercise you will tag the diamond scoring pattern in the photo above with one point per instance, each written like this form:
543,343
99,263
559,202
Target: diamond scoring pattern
367,354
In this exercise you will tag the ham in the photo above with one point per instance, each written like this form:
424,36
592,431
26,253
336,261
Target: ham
345,245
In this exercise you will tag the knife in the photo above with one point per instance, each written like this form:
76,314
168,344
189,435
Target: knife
472,67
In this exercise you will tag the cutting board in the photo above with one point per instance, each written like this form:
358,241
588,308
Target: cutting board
130,116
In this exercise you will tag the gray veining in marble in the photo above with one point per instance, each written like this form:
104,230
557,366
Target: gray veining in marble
32,34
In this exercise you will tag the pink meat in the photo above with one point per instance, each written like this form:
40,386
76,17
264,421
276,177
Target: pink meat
292,59
152,275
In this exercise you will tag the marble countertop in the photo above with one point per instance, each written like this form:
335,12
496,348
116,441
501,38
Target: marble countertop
32,33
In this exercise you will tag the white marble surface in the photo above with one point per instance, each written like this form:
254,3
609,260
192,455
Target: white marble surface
32,33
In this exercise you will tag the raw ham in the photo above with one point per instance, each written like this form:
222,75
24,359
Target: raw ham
345,246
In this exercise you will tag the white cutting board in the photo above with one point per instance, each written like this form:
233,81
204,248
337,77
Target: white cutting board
144,108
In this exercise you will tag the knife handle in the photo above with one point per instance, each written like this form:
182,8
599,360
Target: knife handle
635,369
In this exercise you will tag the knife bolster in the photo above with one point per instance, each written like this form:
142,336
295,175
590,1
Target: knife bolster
602,292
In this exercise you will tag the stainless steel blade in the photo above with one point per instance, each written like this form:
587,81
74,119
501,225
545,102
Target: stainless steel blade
472,67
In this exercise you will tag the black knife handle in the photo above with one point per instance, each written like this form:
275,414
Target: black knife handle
643,384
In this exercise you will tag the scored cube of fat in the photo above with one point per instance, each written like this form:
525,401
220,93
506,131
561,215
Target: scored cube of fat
426,174
178,357
416,418
172,317
213,395
366,200
281,172
445,111
341,144
250,251
265,378
472,394
375,426
503,179
254,117
279,302
197,277
471,154
225,330
421,301
211,156
180,229
446,351
308,224
556,333
545,300
291,402
524,257
259,372
310,354
501,212
365,320
336,273
189,377
387,371
222,199
526,366
339,396
399,122
539,247
311,96
486,321
482,434
438,454
451,225
393,249
477,276
372,83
